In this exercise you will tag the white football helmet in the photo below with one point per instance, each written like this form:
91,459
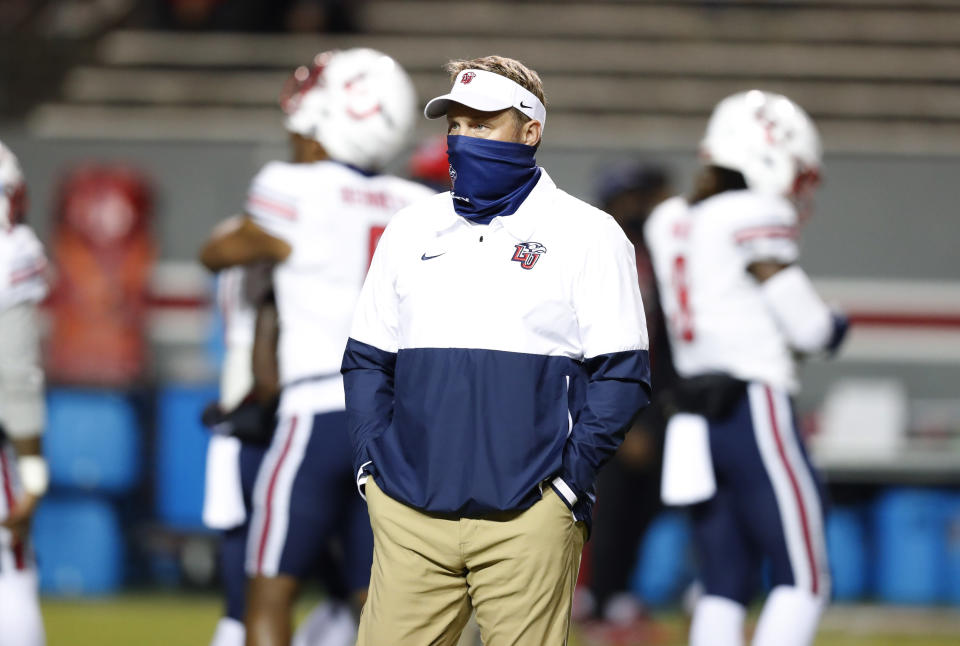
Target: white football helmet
358,103
13,189
768,138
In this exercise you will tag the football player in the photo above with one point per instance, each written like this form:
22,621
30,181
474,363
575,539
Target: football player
739,311
242,421
234,452
318,220
23,471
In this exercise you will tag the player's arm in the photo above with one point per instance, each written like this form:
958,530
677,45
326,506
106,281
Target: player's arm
766,235
808,323
241,241
617,361
266,372
24,410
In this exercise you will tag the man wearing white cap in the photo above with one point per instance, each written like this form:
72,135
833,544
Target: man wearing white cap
498,352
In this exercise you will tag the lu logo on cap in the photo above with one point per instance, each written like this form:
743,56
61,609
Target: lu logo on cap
467,77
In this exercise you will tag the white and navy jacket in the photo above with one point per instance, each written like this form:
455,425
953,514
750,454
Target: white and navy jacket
487,360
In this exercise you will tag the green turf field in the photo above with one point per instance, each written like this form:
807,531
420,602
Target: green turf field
167,619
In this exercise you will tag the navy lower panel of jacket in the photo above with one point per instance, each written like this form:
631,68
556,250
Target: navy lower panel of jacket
477,431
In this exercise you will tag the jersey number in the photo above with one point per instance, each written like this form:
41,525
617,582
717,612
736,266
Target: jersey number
683,321
374,236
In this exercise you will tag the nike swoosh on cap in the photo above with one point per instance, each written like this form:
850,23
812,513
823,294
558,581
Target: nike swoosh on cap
524,105
426,257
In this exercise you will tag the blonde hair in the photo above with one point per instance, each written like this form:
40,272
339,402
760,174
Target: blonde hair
508,67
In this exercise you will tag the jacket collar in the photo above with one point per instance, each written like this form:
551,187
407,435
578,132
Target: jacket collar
520,225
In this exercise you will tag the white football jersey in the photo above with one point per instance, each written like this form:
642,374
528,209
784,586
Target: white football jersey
332,216
715,313
22,267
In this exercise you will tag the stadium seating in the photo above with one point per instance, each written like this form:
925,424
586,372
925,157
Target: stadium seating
876,76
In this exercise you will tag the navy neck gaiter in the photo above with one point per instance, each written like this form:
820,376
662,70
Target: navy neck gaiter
490,178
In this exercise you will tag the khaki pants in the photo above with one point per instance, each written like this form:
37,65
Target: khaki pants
516,569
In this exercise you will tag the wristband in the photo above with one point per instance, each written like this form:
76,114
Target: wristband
34,474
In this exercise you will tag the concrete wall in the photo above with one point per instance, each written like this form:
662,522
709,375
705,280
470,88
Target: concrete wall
877,217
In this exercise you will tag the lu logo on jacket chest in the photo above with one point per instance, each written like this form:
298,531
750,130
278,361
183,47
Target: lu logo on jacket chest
527,253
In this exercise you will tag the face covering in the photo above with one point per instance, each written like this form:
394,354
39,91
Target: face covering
490,178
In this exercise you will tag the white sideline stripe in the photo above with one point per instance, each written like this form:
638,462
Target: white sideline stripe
787,502
565,490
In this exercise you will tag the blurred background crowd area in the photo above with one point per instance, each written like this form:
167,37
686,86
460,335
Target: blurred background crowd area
85,18
140,123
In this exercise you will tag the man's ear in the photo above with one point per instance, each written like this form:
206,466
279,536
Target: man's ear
530,132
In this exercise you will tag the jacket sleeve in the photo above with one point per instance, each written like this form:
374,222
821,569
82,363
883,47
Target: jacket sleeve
616,360
370,358
368,385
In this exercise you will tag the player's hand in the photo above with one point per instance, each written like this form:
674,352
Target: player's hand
19,519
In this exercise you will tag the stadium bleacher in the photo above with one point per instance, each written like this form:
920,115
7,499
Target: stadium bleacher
877,76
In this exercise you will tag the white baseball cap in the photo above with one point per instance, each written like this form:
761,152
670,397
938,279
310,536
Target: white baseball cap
487,91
